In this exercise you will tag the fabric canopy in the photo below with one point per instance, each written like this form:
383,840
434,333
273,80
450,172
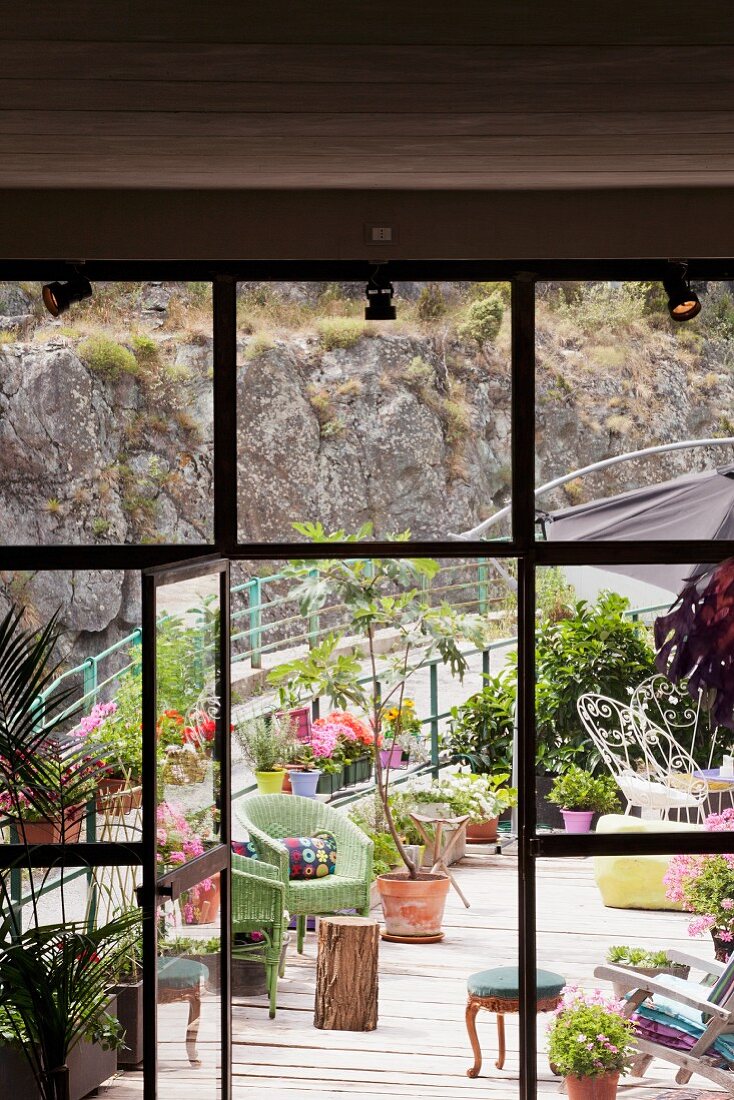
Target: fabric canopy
695,506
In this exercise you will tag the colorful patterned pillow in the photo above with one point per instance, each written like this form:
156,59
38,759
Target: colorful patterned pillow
311,856
244,848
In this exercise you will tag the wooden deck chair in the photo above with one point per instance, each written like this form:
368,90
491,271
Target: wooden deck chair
682,1021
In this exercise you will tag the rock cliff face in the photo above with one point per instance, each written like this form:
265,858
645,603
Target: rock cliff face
405,426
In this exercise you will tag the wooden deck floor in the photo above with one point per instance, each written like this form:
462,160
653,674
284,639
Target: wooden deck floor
420,1048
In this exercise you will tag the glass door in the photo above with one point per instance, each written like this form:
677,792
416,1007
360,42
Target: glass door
186,832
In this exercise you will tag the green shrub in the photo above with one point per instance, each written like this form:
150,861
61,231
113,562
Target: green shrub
597,306
340,332
144,347
482,320
480,730
107,358
100,527
431,304
578,789
258,345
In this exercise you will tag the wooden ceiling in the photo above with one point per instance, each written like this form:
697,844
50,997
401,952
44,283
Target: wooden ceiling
349,94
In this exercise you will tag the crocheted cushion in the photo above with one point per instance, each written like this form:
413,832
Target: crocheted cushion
504,982
244,848
311,856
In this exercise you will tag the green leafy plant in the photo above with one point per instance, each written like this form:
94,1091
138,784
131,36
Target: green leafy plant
622,955
54,977
589,1036
480,729
377,594
267,743
577,789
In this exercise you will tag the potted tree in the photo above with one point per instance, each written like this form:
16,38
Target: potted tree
590,1044
267,743
580,795
55,977
381,594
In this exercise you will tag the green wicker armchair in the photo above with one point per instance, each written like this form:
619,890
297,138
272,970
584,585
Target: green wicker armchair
258,905
270,817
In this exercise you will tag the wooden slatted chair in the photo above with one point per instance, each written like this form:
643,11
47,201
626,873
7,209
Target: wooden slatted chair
682,1021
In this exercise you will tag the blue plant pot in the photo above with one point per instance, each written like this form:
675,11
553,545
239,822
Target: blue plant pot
305,783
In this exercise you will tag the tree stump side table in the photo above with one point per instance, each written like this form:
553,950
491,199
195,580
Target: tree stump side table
498,990
346,974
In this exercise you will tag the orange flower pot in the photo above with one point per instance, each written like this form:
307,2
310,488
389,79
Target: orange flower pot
49,832
413,908
592,1088
482,834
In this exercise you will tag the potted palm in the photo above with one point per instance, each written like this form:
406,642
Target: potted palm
267,743
55,978
381,594
590,1044
581,795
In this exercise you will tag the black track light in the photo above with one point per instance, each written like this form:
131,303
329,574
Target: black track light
379,291
57,297
683,303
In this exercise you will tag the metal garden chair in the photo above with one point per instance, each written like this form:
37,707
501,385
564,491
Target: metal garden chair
270,818
651,769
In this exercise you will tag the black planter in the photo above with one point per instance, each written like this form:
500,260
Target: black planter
546,813
331,782
88,1064
130,1015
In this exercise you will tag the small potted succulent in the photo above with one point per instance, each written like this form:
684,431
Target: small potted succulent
580,795
267,743
590,1043
644,962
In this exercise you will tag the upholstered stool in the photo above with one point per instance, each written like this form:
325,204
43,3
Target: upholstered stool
499,991
180,979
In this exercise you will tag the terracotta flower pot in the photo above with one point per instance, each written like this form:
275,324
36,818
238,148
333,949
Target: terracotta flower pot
205,903
49,832
481,834
129,798
413,908
592,1088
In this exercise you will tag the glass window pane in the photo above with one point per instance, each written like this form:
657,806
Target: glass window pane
106,415
616,375
403,424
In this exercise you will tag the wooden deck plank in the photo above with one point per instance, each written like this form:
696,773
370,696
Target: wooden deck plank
420,1047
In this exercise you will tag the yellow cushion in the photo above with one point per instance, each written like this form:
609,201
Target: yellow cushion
635,882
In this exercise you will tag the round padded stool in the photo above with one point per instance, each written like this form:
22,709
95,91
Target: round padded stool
499,991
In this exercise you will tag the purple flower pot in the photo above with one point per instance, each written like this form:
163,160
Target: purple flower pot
392,758
577,821
305,783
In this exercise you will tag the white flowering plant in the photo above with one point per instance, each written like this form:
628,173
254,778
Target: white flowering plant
482,797
589,1036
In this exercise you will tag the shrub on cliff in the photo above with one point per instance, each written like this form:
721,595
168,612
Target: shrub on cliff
108,358
482,320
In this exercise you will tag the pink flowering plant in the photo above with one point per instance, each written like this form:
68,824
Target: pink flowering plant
589,1036
177,840
334,741
704,884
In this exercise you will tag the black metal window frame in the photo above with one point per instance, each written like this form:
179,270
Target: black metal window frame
522,546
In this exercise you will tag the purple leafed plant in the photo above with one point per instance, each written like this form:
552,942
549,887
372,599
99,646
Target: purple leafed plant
695,641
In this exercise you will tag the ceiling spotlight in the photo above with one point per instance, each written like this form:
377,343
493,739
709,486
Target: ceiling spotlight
379,291
57,297
683,303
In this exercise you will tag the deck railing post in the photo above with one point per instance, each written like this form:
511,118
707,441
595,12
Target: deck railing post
314,620
255,600
433,680
483,587
89,685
